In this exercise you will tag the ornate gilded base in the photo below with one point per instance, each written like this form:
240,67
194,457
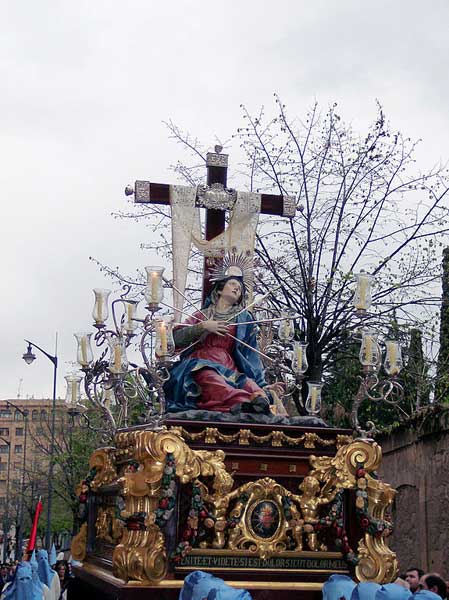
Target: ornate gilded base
286,505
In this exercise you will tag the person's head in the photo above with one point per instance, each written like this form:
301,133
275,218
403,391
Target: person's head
434,583
4,571
412,577
230,289
61,569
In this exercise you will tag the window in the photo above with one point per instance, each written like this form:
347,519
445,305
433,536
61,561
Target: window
43,414
4,431
2,501
3,467
19,430
4,449
18,465
35,415
18,448
39,431
5,413
18,416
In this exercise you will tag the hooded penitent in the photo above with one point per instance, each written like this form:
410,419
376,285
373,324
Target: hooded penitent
38,586
365,591
338,586
21,587
204,586
46,573
393,591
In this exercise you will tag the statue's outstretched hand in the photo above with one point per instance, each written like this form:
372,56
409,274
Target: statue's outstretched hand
217,327
277,388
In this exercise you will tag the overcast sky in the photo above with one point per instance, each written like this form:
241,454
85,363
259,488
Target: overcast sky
85,87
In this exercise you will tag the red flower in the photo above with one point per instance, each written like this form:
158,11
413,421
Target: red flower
163,503
364,522
187,533
83,498
203,514
360,472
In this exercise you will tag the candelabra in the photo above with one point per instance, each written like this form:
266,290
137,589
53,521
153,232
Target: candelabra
114,386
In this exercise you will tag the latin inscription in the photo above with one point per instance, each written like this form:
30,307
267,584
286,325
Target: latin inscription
253,562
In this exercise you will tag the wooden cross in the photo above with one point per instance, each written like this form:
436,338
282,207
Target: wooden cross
146,192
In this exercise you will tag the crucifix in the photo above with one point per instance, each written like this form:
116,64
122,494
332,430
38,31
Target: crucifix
215,197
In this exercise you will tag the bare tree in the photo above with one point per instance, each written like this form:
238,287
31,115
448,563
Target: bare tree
362,204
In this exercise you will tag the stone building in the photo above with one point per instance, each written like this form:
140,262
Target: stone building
416,463
12,437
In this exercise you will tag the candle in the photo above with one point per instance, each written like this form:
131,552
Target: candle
163,334
313,398
117,358
363,284
84,360
368,349
299,357
74,388
154,288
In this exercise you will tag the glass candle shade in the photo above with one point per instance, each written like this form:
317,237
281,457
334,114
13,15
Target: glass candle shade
130,307
108,397
299,358
154,292
84,353
73,393
100,311
393,358
165,344
118,361
369,350
362,297
313,401
286,329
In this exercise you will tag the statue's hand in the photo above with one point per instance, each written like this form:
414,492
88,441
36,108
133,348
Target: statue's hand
217,327
277,388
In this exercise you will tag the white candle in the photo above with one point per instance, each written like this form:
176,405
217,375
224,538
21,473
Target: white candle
368,349
163,334
154,288
74,389
299,357
313,399
84,360
117,358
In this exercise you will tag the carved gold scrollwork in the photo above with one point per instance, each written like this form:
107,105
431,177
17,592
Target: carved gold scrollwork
141,555
79,544
211,435
377,562
108,527
103,460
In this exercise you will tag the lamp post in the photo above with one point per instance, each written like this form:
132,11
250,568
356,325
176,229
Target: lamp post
24,413
29,357
6,513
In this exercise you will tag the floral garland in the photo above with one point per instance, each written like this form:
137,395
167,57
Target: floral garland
198,519
376,527
334,519
84,494
167,498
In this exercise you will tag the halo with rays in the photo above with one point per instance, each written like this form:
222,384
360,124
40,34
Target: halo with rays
237,265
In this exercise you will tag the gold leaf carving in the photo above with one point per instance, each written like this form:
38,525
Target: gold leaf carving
79,544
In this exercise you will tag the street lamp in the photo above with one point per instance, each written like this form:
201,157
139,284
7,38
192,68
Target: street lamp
6,513
19,544
29,357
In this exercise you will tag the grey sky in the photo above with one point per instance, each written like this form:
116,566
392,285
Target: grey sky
86,86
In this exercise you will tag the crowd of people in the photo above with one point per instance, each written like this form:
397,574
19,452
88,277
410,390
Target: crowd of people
414,584
40,577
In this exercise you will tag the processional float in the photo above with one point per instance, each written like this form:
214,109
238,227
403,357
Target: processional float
269,501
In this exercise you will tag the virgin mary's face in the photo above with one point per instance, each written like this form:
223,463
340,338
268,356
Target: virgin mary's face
232,291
